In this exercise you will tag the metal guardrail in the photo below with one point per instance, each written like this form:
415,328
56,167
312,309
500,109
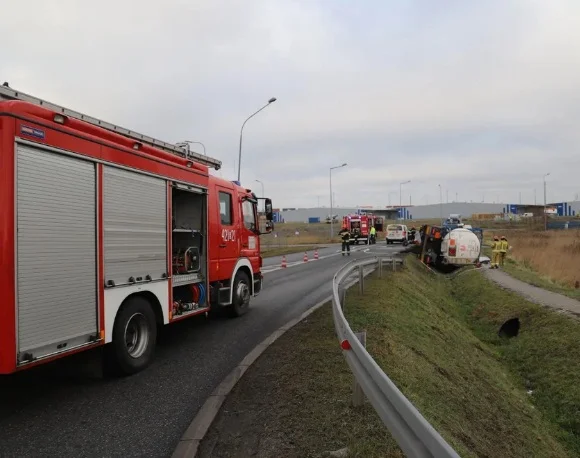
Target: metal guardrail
415,436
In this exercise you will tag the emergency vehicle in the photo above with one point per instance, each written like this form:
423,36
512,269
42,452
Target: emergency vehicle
106,234
374,220
358,226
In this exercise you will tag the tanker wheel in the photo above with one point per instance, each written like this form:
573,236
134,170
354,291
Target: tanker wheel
134,337
241,294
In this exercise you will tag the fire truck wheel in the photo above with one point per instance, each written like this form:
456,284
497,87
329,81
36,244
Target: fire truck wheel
134,336
241,296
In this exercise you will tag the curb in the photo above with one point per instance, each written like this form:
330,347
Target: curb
197,429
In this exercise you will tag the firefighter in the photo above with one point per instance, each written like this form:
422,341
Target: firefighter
345,235
495,246
373,235
412,234
503,249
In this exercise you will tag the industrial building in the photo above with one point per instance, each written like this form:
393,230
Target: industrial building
419,212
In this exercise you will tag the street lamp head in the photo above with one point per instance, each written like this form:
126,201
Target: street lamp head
272,100
343,165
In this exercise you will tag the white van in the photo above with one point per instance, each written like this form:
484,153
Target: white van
396,233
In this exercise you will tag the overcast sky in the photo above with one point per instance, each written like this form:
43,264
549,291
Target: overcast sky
482,97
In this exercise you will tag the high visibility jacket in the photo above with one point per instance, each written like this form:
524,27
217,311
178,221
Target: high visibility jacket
503,246
373,231
495,246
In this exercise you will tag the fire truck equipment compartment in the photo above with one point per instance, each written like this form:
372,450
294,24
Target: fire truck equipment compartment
57,278
135,224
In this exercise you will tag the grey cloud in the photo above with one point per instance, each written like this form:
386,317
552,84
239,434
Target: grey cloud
480,97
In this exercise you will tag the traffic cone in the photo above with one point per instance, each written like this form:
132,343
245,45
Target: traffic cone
284,261
316,253
305,256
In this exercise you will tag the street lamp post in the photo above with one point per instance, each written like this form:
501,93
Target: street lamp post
262,187
401,196
331,220
545,215
272,100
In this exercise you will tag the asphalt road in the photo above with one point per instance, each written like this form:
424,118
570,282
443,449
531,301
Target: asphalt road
64,410
297,258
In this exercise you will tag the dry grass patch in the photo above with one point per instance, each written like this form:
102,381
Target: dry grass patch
547,259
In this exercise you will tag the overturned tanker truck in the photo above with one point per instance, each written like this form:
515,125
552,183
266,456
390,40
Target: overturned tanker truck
448,248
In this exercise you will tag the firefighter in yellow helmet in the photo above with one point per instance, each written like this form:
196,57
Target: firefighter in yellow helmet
503,249
495,250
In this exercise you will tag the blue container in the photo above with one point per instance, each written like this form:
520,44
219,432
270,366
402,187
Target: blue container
314,219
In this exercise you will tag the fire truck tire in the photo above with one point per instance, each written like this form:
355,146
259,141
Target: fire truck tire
134,337
242,291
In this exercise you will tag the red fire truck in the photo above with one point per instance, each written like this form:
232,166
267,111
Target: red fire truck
106,234
377,221
358,226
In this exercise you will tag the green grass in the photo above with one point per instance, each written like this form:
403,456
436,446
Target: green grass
295,402
545,356
467,383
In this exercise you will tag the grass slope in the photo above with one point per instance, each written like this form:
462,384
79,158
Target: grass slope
422,337
546,354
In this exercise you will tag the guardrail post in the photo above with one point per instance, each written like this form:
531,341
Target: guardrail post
361,280
358,395
342,297
394,264
380,267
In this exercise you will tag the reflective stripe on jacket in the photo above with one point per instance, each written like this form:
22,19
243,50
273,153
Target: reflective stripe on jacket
503,246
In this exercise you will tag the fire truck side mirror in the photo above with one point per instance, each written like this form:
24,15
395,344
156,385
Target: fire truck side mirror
268,210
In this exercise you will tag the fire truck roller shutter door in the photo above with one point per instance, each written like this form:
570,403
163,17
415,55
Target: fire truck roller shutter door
135,250
56,252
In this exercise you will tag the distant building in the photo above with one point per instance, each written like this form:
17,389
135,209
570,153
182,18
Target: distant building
420,212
